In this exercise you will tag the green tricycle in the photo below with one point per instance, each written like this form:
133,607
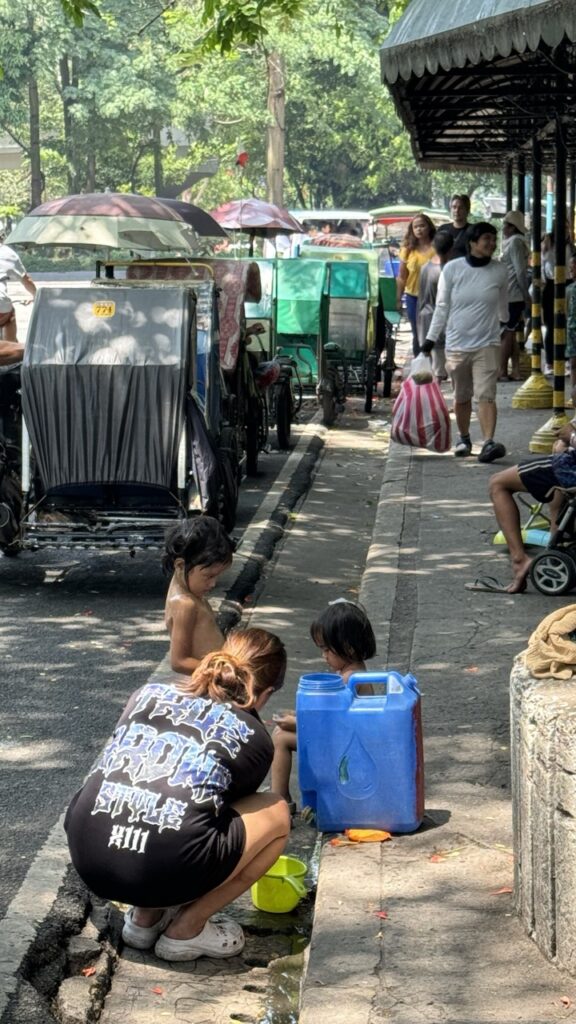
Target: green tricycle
325,320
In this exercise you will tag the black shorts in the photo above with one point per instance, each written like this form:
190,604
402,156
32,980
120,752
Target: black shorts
515,315
538,477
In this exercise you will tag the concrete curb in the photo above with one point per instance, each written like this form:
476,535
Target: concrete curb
340,909
380,578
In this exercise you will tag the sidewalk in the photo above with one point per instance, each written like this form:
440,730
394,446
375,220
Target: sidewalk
450,948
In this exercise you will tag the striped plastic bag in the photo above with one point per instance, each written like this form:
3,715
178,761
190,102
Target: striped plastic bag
420,416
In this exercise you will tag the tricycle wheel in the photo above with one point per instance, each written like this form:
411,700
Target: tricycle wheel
553,573
283,417
252,447
369,386
328,403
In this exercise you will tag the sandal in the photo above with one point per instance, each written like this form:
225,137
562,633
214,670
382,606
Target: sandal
218,939
138,937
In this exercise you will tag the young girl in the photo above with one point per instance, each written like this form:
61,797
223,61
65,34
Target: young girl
169,818
197,551
416,251
344,635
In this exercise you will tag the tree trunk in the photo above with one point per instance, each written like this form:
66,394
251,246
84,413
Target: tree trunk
66,83
157,151
36,183
276,128
91,172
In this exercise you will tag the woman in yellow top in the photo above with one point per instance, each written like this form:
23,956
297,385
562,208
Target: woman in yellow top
416,251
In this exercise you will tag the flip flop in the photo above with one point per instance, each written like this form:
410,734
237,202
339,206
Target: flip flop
490,585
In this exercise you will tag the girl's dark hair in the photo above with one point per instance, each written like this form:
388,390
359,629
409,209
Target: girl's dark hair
198,541
250,661
345,629
409,241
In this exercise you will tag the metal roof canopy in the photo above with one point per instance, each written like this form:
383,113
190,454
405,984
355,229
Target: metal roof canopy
475,81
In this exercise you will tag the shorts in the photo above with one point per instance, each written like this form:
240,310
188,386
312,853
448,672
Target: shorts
7,317
515,315
475,373
538,477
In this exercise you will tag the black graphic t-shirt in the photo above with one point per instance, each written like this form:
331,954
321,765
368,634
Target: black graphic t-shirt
152,824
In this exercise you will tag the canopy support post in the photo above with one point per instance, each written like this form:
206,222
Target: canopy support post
521,183
544,438
509,185
535,392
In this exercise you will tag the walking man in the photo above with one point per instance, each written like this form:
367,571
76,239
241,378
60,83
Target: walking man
471,307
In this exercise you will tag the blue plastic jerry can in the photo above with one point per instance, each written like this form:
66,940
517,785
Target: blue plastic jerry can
360,756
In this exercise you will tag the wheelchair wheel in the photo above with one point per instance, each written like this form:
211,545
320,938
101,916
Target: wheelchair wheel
553,573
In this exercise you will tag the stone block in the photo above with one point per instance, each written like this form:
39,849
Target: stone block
565,891
543,759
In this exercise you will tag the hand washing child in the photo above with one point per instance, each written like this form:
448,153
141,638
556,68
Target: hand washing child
344,635
197,552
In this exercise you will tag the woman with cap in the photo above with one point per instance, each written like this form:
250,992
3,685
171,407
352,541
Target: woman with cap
515,259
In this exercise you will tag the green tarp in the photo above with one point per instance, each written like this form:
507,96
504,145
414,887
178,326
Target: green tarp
299,290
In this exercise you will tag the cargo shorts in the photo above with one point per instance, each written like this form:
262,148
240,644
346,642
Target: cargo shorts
475,373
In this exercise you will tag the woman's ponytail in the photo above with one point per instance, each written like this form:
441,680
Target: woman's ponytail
250,662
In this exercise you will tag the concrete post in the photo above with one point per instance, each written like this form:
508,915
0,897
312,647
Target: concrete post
543,757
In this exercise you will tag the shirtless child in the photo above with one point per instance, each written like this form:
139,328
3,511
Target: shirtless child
197,552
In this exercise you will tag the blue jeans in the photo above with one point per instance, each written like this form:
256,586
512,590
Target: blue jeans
412,311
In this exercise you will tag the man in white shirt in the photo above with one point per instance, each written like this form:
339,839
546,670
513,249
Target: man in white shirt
471,306
11,269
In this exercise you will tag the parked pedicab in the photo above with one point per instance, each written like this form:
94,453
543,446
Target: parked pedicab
121,436
128,424
325,318
275,370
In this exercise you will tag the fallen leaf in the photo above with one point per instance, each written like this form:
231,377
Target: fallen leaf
157,990
381,913
88,971
500,892
366,835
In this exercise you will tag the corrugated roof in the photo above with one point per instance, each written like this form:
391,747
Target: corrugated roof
446,34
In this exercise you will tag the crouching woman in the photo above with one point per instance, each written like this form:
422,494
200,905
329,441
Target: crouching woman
169,818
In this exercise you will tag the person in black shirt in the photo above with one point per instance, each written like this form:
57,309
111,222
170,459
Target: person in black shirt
459,211
170,812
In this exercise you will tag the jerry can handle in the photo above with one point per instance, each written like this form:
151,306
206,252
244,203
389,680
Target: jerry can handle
395,683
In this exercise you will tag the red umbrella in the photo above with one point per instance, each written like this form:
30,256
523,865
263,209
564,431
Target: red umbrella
257,218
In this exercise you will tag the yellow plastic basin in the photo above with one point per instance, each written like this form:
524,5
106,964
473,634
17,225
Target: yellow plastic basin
281,888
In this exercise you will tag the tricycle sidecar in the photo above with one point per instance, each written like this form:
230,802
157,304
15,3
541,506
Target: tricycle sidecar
115,431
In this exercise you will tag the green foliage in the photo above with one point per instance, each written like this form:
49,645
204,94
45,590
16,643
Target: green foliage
107,89
75,10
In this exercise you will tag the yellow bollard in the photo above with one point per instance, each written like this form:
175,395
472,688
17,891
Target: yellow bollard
534,393
544,437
